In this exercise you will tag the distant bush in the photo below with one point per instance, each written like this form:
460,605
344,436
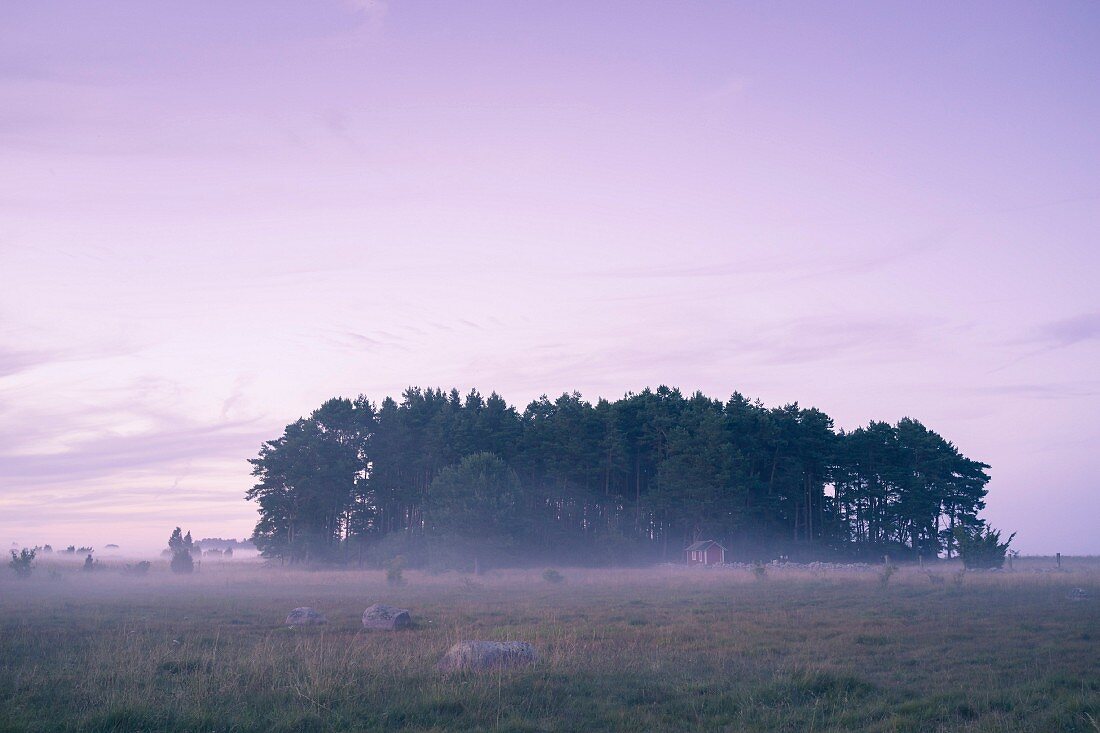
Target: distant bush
23,563
957,578
552,576
982,548
886,573
140,568
759,571
182,562
395,570
180,546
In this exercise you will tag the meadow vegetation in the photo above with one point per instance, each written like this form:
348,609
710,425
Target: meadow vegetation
666,648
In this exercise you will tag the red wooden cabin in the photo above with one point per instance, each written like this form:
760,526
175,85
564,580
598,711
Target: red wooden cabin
705,552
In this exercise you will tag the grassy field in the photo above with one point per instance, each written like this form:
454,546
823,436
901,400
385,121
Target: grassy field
660,649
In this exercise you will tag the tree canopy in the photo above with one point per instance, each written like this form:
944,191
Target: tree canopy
631,480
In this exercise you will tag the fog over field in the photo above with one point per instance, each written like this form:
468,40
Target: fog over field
665,648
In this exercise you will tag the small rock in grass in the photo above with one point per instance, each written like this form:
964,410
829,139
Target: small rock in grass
1077,594
305,616
386,618
480,655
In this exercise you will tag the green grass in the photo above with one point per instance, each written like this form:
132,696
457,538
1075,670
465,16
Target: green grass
663,649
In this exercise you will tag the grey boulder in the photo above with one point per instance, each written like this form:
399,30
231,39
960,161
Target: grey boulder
305,616
386,618
481,655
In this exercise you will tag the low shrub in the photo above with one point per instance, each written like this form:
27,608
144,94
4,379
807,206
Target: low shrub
982,548
552,576
886,573
23,563
182,562
395,567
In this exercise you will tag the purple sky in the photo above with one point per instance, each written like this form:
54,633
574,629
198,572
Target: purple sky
215,215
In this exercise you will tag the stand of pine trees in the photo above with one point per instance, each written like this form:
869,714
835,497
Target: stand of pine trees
618,482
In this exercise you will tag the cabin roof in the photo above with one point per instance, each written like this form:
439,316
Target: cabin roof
702,545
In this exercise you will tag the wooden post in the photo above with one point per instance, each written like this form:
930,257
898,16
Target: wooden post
1058,559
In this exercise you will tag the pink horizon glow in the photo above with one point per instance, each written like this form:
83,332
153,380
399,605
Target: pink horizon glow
215,216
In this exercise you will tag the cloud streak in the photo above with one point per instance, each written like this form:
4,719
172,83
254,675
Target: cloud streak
1054,336
14,361
1067,331
795,266
156,450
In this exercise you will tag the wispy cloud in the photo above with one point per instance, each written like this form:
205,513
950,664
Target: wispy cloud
162,449
627,360
354,341
14,361
1051,391
1055,335
1067,331
237,396
784,265
807,340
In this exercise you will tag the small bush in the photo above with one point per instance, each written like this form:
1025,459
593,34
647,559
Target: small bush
23,563
552,576
182,562
140,568
395,567
982,547
180,545
886,573
759,571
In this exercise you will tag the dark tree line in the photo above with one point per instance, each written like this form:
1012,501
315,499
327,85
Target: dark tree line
625,481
